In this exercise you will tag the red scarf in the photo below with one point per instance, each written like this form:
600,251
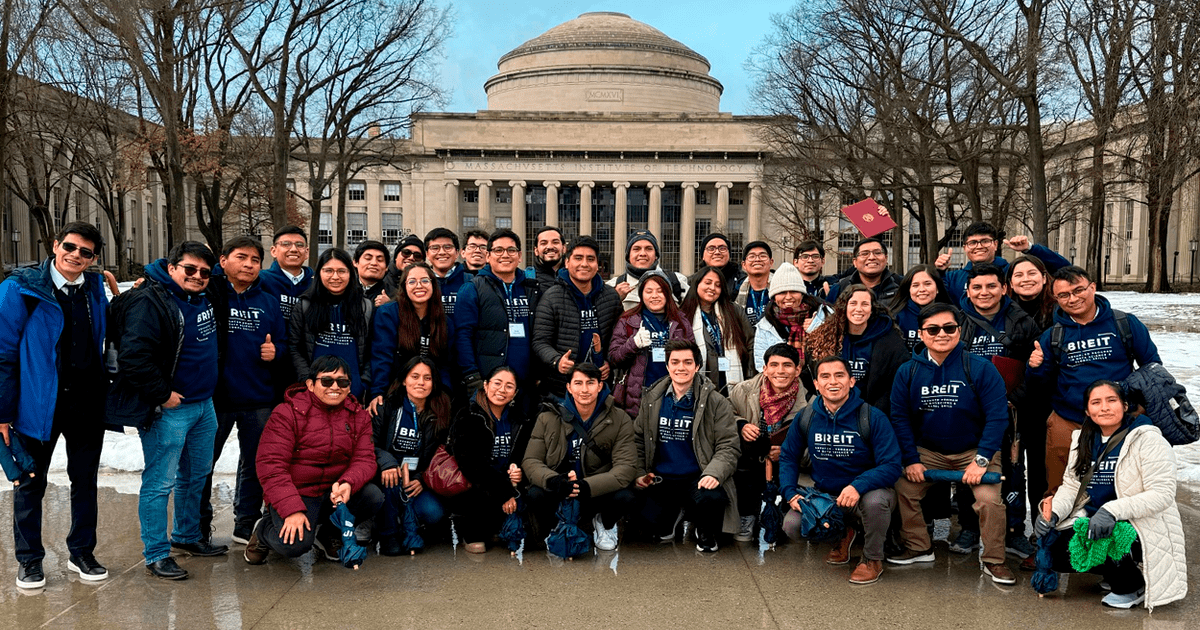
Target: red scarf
793,320
776,405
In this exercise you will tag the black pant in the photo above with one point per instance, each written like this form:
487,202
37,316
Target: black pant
248,495
611,507
1123,576
661,503
85,439
363,505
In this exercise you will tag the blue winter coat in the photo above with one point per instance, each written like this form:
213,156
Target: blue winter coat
29,346
387,359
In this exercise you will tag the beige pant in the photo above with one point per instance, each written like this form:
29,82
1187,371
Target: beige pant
987,505
1058,450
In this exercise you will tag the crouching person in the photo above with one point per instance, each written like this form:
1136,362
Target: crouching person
315,453
583,449
855,458
687,451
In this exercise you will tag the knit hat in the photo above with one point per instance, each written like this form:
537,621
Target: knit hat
642,235
412,240
786,278
712,237
756,244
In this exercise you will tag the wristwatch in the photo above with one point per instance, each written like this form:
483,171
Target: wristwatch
982,461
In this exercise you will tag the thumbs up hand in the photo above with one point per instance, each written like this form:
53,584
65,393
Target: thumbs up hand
565,363
1036,357
943,261
267,350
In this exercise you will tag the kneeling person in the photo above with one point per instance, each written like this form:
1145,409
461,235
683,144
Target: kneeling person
583,449
856,461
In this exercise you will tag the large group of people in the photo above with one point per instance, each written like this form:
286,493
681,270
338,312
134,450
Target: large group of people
653,399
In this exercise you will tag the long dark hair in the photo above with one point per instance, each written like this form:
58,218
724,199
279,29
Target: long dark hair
351,300
904,293
1089,429
437,404
1045,314
481,395
826,340
731,334
408,331
670,311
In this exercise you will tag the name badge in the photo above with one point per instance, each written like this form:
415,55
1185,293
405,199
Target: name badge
516,330
410,463
658,355
723,364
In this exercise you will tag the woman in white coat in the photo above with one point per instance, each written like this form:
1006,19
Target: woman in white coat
1133,481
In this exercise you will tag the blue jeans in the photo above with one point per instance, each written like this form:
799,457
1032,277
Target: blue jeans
427,505
178,448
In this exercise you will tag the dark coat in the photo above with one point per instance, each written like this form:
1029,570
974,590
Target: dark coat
556,327
383,435
888,285
474,433
482,342
626,356
609,457
301,340
150,333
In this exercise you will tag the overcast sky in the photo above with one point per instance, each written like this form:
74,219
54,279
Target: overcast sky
724,32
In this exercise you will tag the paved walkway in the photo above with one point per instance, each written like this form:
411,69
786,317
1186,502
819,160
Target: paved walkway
641,586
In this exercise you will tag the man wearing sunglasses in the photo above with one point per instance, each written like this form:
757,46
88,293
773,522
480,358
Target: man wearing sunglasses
288,276
1095,341
981,242
409,251
167,359
949,412
870,269
52,367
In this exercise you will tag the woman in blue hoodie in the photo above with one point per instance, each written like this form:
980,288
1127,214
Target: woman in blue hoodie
921,286
413,324
333,317
861,332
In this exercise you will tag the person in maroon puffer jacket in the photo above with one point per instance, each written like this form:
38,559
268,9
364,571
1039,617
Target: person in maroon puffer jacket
316,451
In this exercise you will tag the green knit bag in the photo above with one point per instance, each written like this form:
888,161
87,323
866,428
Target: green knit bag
1087,554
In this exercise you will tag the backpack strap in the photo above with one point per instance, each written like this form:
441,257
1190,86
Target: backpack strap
805,422
1125,330
986,325
864,424
1056,339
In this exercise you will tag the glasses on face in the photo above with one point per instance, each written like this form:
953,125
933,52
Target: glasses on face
501,251
757,257
811,257
329,381
413,282
980,243
934,331
476,247
191,270
874,253
504,387
716,249
414,254
433,249
335,271
292,245
1076,292
84,252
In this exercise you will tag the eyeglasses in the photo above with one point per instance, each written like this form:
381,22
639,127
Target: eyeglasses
191,270
716,249
292,245
440,248
1076,292
412,282
934,331
500,251
334,271
329,381
813,257
84,252
476,247
875,253
505,387
980,243
754,257
413,254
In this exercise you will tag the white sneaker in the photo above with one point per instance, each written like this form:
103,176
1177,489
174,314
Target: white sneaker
1128,600
605,537
745,529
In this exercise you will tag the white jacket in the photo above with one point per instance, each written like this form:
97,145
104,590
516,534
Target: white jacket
1145,485
734,375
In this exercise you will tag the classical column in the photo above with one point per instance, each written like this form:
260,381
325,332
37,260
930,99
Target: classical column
655,222
722,219
620,226
485,203
754,217
551,203
585,208
518,207
452,204
687,229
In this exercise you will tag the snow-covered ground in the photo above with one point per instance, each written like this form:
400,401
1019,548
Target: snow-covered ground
1174,322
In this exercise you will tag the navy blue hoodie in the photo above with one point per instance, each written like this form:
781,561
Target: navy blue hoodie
386,359
839,455
935,406
1090,352
196,369
450,286
675,455
856,350
906,321
253,314
279,283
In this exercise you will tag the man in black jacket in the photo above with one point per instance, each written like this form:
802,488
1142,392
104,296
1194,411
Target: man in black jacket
167,372
870,269
548,257
575,318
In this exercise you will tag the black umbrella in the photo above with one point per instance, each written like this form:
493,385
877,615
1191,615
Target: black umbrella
771,519
567,540
352,554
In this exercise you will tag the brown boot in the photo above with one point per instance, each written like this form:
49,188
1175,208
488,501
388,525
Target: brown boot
256,552
867,572
841,553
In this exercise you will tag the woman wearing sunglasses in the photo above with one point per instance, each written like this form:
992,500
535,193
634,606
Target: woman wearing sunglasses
412,423
333,317
413,324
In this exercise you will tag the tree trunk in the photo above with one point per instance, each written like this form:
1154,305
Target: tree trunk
1095,242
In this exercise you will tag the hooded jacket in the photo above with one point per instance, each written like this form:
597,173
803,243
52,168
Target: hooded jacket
876,354
939,408
609,456
387,357
557,327
450,284
956,279
278,282
838,453
306,447
715,439
907,320
1089,352
889,283
744,398
30,328
481,323
1018,328
474,434
246,381
625,355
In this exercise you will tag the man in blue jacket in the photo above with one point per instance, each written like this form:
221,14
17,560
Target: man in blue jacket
981,242
167,362
441,246
949,412
52,367
288,277
857,469
253,345
1096,342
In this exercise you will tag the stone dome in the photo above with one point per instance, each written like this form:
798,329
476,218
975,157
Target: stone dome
603,62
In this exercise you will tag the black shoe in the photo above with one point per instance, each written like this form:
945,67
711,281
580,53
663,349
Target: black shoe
30,575
390,546
88,569
327,543
705,542
201,549
167,569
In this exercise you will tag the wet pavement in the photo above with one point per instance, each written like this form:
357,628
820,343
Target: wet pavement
640,586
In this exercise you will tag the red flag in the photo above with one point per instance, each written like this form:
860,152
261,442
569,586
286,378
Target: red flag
869,217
